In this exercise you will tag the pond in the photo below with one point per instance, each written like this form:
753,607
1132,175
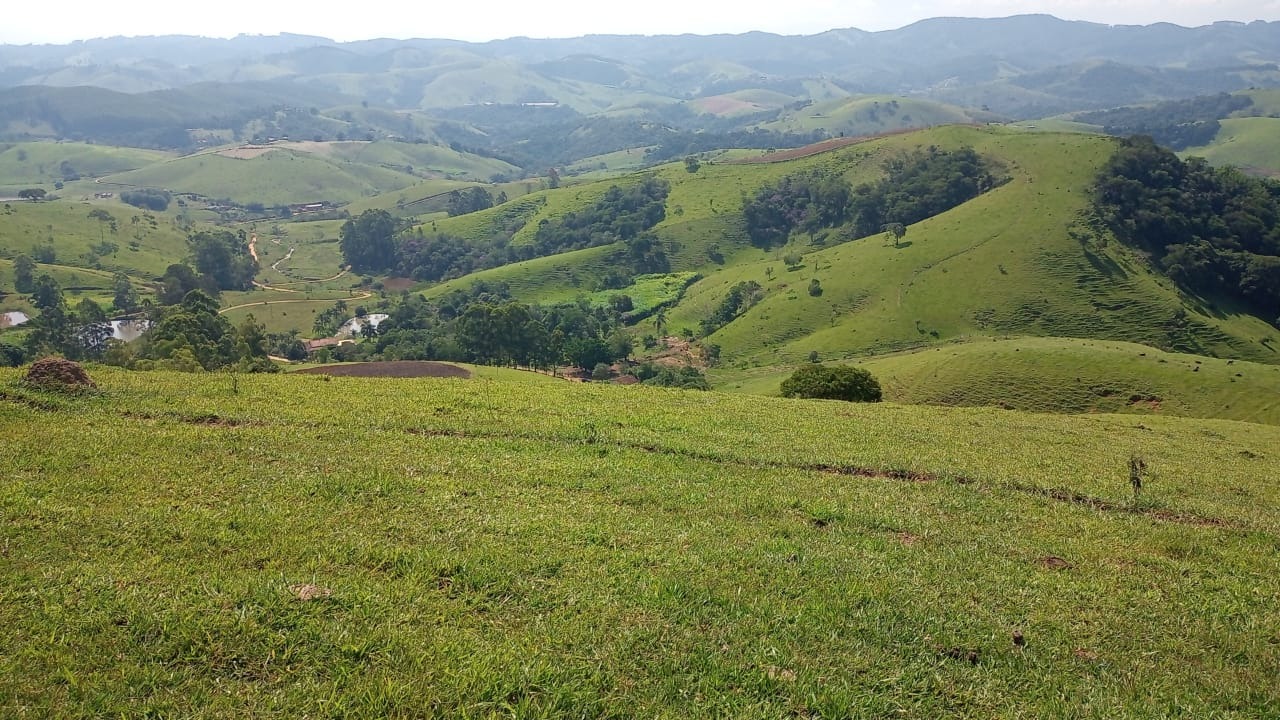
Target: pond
12,318
354,326
129,329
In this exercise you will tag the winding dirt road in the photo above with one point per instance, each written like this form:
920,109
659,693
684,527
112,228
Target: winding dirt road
253,252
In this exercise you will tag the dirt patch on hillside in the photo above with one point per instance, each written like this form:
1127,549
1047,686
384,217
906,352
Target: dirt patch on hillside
397,369
398,284
723,105
816,148
245,152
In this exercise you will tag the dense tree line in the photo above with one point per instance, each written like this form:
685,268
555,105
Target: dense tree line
223,257
622,214
1215,231
192,336
1177,124
79,333
916,186
836,382
806,201
919,185
370,243
483,324
740,298
147,199
462,202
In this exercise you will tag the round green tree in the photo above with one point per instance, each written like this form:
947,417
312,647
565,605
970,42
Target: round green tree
840,382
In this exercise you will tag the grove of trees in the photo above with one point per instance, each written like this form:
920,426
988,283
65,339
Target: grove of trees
916,186
1213,231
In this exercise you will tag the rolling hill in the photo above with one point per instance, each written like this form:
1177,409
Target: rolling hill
1021,259
41,164
1064,375
304,172
1248,143
871,115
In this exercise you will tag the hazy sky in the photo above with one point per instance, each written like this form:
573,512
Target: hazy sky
68,20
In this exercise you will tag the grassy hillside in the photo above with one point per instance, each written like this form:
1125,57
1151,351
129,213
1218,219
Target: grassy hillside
1065,376
1018,260
873,114
40,164
276,177
288,173
1248,143
140,250
177,546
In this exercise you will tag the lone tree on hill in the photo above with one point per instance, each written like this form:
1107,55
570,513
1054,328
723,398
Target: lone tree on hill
32,194
841,382
896,231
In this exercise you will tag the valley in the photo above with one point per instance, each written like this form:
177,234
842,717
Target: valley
464,379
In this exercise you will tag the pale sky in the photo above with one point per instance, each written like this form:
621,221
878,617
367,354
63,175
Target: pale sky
68,20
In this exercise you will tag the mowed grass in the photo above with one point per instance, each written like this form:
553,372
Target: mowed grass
1062,375
486,548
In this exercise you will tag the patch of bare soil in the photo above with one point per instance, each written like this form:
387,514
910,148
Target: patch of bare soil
396,369
245,152
724,105
676,352
58,374
398,284
309,592
1053,562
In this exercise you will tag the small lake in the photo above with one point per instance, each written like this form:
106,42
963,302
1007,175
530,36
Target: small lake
129,329
12,318
354,326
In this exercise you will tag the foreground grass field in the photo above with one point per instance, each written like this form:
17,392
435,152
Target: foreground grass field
299,546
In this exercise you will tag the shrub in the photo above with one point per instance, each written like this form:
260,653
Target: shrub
841,382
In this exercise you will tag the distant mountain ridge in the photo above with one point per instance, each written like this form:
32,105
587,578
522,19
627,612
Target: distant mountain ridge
940,55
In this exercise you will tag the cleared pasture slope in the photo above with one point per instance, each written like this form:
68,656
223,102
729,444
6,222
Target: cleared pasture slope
1061,375
1020,259
550,550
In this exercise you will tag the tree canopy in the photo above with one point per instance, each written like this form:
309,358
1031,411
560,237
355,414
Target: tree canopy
837,382
1213,231
368,242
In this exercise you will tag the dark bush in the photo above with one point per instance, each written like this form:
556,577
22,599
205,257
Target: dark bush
839,382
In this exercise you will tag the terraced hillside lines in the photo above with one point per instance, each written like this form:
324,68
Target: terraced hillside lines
1248,143
1061,375
1018,260
174,546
